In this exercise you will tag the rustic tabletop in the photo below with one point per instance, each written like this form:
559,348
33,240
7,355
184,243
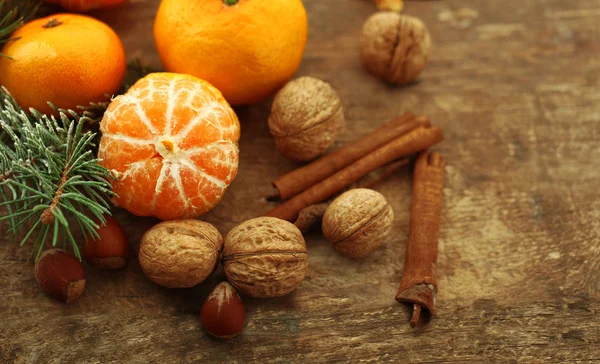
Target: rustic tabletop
514,84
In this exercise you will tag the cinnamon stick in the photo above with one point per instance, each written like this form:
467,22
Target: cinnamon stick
377,176
419,285
416,140
302,178
311,216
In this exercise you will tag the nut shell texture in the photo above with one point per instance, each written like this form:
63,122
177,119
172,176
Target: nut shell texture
180,253
306,118
395,47
265,257
357,222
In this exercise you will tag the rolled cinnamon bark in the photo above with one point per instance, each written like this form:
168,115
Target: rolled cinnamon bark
311,216
419,282
416,140
305,177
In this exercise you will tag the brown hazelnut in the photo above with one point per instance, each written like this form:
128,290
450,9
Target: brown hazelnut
60,275
265,257
111,249
395,47
223,314
180,253
306,118
357,222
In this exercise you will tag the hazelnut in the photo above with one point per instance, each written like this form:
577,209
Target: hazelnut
265,257
223,314
357,222
60,275
180,253
395,47
111,249
306,118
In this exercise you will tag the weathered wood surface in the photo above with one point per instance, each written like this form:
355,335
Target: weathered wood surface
515,88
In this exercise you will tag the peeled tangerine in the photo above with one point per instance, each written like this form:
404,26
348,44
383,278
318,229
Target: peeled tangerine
171,142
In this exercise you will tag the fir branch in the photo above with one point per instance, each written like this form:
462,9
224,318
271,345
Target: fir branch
50,176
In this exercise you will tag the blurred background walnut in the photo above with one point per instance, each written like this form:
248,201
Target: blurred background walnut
395,47
306,118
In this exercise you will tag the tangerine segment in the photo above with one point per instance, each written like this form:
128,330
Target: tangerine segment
171,143
214,159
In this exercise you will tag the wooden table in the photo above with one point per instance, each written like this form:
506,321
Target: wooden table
514,84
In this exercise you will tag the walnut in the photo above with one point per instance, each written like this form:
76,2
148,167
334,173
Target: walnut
357,222
395,47
180,253
306,118
265,257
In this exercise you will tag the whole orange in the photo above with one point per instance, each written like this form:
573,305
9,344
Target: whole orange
246,48
67,59
171,142
84,5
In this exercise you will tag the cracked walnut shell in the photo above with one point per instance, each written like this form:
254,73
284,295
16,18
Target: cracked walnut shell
180,253
357,222
395,47
265,257
306,118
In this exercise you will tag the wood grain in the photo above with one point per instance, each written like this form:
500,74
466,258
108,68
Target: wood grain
514,84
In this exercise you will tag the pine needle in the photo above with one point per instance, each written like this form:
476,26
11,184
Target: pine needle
13,14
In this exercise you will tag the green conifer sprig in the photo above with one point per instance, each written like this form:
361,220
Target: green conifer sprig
50,177
13,14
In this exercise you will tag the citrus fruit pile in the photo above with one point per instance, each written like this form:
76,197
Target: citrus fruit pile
171,141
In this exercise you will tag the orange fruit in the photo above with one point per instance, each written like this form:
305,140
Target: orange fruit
84,5
171,143
67,59
246,48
